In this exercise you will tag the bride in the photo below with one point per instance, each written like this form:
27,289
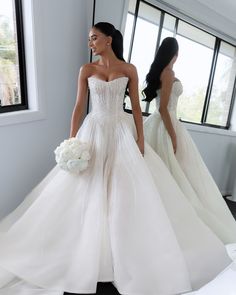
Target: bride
123,219
168,137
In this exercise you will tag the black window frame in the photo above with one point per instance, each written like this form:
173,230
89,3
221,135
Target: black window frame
22,64
213,66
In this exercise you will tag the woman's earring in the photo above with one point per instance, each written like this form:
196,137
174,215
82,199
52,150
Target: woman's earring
108,44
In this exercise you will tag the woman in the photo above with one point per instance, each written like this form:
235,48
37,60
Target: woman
168,137
109,223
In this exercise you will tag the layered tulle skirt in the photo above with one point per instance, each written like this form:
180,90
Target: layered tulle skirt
192,175
123,220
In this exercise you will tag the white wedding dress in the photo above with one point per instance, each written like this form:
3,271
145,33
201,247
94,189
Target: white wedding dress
189,170
123,220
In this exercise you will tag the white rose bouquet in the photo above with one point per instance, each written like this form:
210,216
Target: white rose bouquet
72,155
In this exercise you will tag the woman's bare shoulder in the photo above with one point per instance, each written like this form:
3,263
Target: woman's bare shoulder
87,69
130,67
88,66
129,70
167,74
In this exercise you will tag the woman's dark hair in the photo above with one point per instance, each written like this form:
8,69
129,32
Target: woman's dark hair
168,49
117,38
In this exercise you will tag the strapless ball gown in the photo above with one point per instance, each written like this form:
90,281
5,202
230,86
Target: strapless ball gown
189,170
122,220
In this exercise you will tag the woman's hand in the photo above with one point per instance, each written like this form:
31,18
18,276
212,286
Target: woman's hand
136,109
174,143
140,143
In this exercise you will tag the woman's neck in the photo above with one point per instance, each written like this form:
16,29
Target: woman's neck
170,66
108,59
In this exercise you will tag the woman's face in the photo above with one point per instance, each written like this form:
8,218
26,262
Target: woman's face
98,42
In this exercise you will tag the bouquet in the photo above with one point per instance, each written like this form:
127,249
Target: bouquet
72,155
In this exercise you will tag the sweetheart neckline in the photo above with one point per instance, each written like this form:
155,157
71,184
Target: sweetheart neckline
122,77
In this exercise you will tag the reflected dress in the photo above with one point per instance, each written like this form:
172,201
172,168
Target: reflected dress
189,170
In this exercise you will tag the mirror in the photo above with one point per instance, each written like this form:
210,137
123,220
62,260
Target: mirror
151,26
193,68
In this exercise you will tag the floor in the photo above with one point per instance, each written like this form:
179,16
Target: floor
102,289
232,206
216,287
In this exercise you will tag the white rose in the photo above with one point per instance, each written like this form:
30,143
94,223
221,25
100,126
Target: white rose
58,150
85,155
72,155
76,152
58,158
63,165
73,165
66,155
83,165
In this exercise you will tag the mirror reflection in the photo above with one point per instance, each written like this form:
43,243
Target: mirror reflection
206,65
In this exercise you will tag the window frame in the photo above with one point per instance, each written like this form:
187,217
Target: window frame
22,62
213,65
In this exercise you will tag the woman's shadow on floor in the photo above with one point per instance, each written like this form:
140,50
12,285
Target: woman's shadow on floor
102,289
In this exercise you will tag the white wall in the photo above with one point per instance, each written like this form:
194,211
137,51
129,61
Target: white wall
113,11
61,34
218,149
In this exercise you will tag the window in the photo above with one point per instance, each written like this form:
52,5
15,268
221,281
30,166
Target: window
223,85
148,21
206,64
193,67
13,94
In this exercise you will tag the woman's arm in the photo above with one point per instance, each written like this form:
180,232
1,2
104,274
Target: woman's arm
167,79
81,101
136,109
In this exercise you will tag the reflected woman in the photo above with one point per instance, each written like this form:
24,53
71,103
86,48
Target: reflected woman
169,138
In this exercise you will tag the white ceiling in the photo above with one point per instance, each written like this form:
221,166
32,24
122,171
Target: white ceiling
226,8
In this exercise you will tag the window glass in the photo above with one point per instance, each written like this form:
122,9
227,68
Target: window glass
10,93
223,84
147,28
196,49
